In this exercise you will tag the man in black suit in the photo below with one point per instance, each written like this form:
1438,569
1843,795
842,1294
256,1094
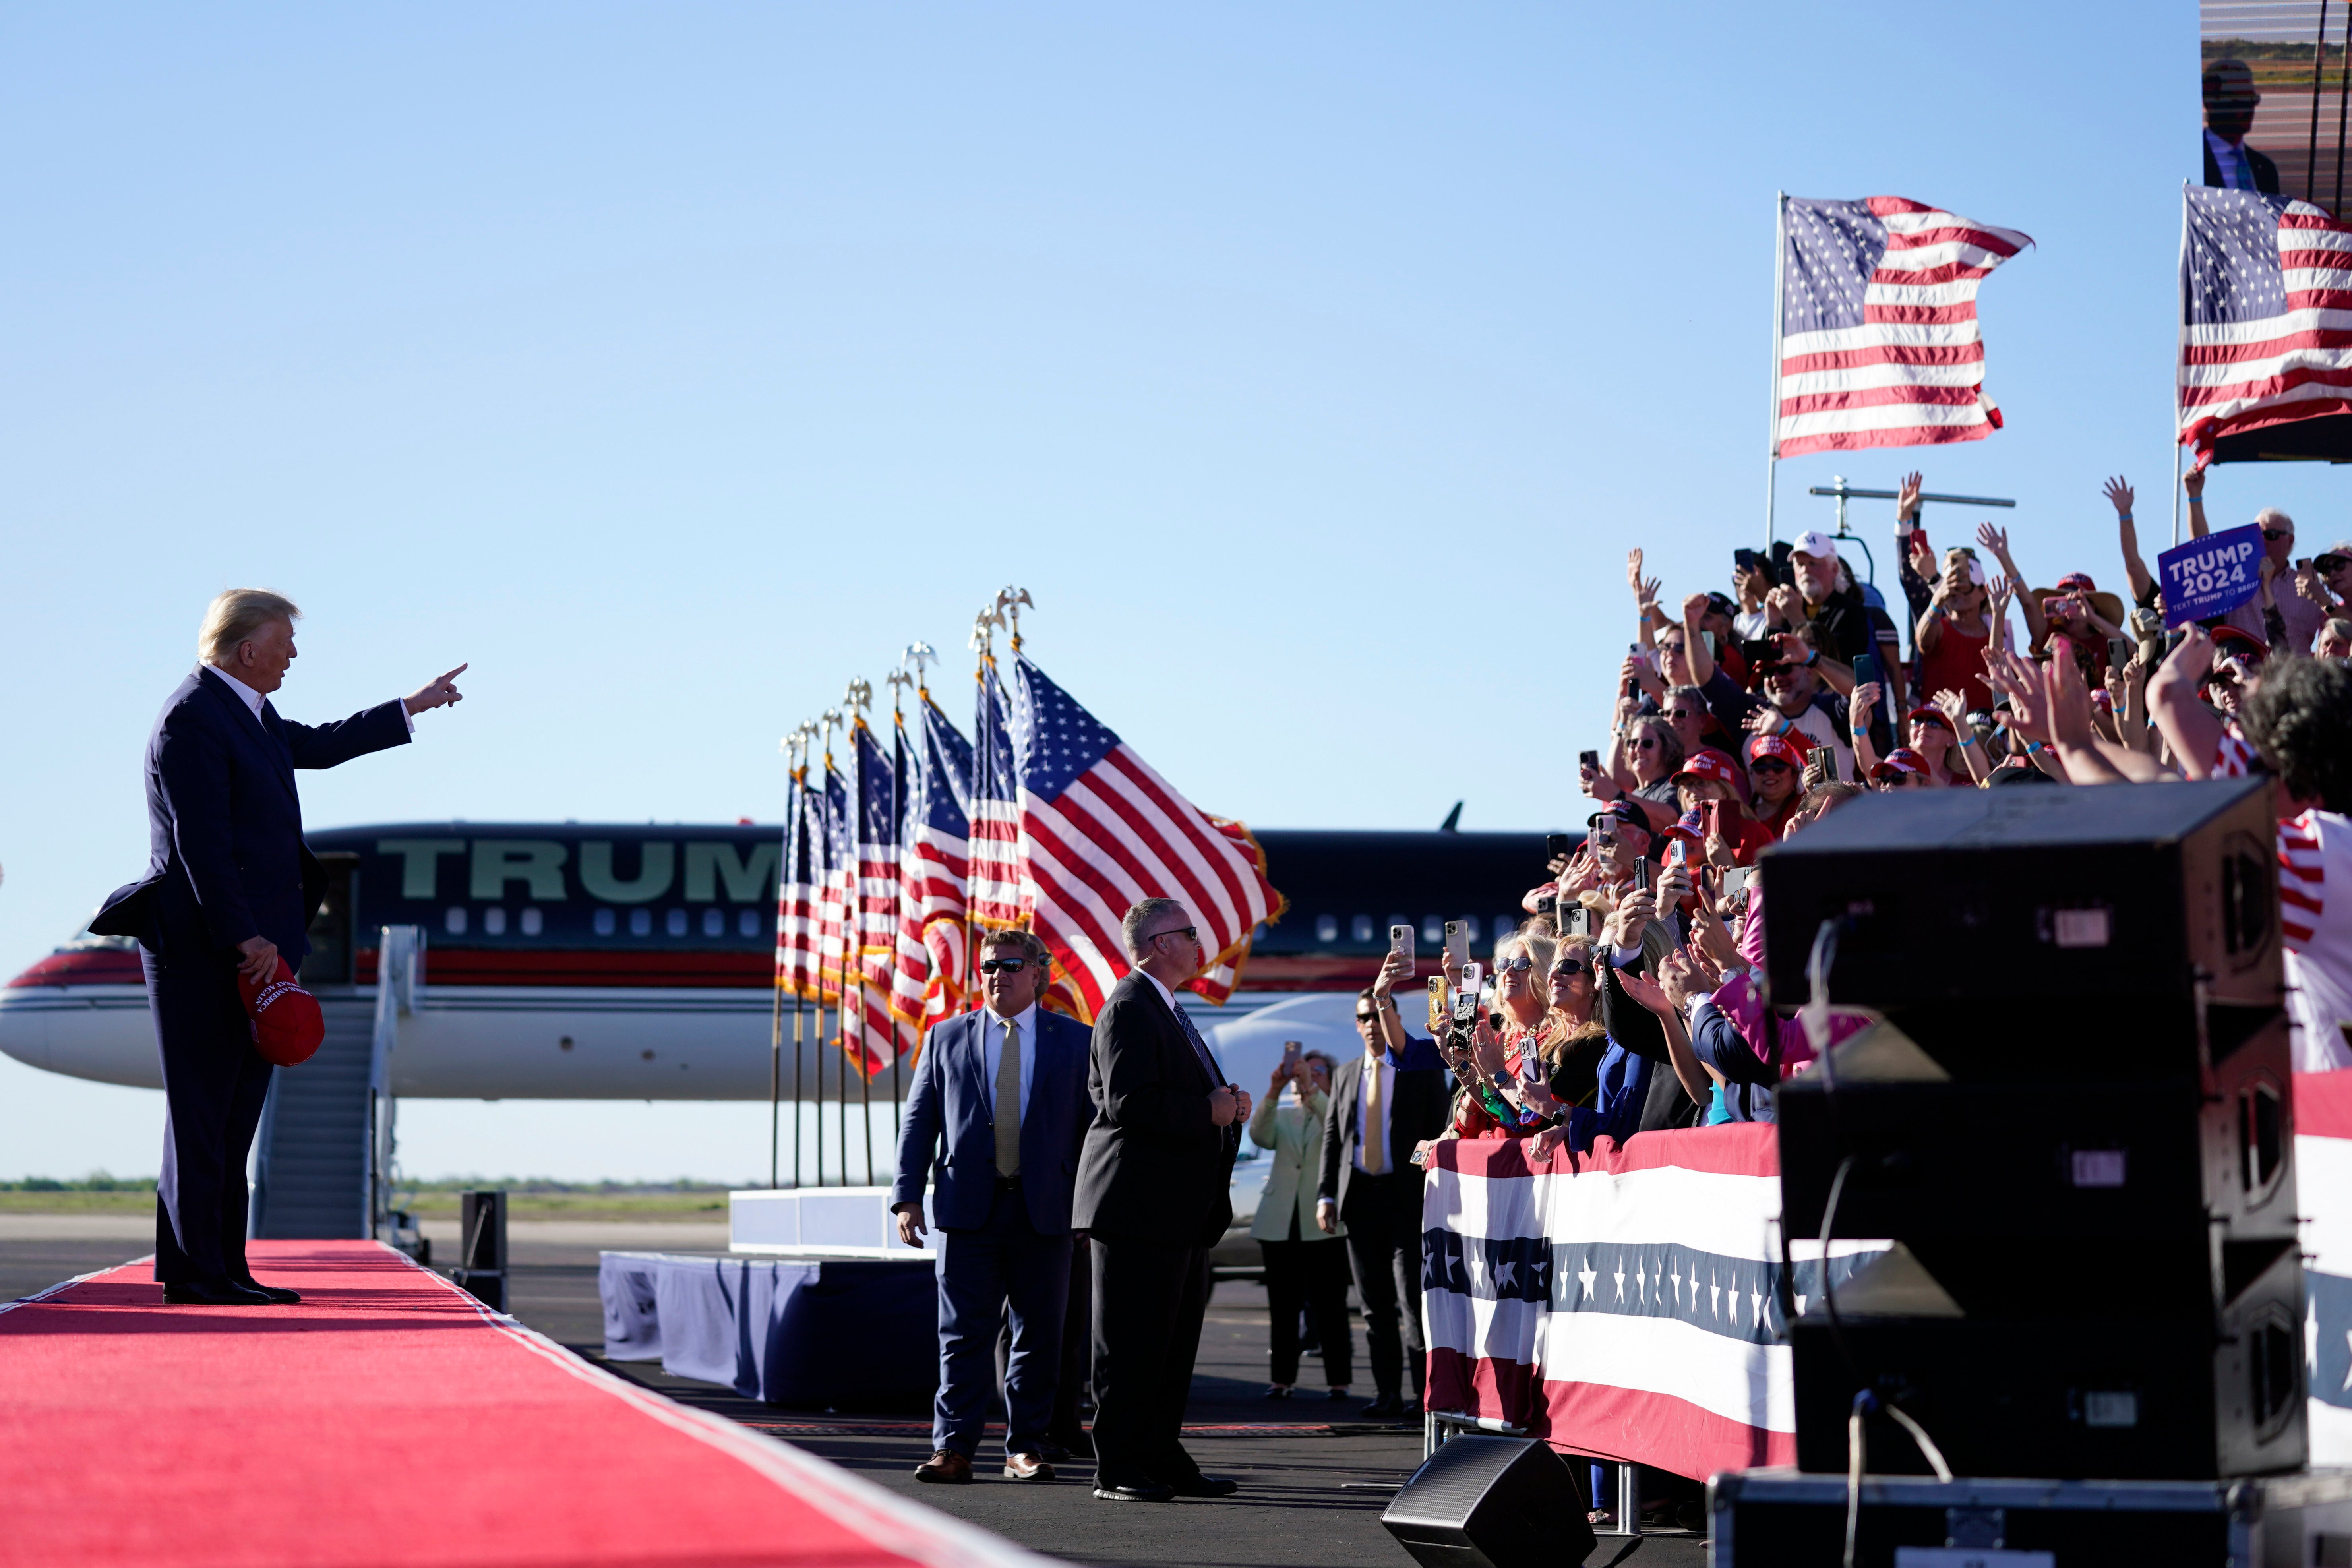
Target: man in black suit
230,889
2230,100
1153,1194
1381,1109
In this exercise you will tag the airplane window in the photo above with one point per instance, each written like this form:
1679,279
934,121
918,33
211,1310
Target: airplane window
1432,930
1360,929
1327,927
675,923
494,921
532,922
748,923
714,922
604,923
641,922
454,922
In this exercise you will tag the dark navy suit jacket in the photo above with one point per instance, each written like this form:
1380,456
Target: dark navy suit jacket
949,1120
1154,1166
226,859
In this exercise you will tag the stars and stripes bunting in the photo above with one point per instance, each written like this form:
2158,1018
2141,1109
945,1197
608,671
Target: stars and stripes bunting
2266,303
1625,1303
1880,345
1098,831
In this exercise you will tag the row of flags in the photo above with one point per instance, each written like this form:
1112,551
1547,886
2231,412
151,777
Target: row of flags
1879,344
898,855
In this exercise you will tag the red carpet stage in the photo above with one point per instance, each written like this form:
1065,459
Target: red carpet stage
332,1432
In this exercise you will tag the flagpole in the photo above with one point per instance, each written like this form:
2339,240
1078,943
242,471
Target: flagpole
825,784
861,700
982,642
776,1023
899,680
2181,344
1773,445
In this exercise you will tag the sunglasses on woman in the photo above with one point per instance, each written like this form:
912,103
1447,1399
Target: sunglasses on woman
1518,965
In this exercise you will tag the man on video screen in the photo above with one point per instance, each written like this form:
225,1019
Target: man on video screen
2230,101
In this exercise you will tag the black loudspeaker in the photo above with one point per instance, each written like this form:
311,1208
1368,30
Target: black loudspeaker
1492,1502
2146,1159
2110,1371
2094,902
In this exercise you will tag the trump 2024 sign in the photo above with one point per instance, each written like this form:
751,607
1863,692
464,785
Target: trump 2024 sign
2211,576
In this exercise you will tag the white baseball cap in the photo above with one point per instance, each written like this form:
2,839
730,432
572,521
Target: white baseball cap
1817,544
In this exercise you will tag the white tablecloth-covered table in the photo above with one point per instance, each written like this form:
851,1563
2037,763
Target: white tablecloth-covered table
813,1333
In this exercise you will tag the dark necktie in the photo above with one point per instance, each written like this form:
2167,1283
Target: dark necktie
1200,1048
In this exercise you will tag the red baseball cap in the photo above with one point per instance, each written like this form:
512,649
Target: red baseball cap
287,1025
2077,579
2230,640
1933,715
1901,760
1706,762
1790,748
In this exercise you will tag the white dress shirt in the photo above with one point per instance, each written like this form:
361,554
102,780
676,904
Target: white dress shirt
254,700
992,1042
1365,1132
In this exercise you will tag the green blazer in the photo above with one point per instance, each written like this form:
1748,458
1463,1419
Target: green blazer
1294,1139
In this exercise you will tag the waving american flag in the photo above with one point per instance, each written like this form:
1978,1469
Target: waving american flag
1879,339
796,937
1099,830
873,1033
933,866
995,808
2266,289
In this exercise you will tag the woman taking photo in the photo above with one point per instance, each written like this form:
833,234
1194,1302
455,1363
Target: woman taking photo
1952,635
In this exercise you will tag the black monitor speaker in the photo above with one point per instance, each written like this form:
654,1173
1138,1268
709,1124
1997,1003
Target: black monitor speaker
1492,1502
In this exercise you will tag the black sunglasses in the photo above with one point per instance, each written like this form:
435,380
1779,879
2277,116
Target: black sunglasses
1367,1017
1002,965
2331,563
2276,533
1191,934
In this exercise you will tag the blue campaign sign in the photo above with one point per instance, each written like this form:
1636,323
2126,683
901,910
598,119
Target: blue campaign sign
2211,576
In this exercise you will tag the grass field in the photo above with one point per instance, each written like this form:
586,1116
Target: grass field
645,1204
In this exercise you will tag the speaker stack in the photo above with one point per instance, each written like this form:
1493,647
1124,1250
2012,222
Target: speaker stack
2074,1122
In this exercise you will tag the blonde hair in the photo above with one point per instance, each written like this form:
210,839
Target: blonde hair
235,615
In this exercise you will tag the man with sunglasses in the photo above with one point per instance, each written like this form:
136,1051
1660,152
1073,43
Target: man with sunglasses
2299,617
1153,1195
999,1107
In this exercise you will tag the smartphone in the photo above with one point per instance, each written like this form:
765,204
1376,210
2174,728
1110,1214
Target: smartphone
1591,760
1555,846
1436,1003
1734,878
1401,944
1291,1051
1748,560
1457,943
1576,919
1604,834
1642,873
2120,652
1470,971
1713,651
1711,814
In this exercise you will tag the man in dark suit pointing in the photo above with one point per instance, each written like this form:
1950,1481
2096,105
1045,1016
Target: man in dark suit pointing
999,1102
1153,1194
230,889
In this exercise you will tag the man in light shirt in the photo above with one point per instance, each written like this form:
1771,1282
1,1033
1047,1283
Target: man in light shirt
992,1124
230,889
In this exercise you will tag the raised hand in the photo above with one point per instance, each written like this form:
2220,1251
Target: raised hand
1922,558
1906,497
1645,590
435,693
1955,707
2193,484
1867,696
2119,495
1646,991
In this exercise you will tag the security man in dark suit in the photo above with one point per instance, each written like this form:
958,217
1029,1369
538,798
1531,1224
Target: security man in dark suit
1153,1195
1382,1108
999,1102
230,889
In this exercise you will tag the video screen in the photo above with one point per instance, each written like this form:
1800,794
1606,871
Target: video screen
2274,92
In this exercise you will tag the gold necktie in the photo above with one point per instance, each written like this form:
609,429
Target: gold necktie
1375,1145
1008,1103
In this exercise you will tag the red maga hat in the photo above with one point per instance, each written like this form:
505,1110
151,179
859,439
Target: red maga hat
2227,640
1790,748
1706,762
1901,760
1933,715
287,1025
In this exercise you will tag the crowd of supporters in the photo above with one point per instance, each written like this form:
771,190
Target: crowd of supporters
1631,997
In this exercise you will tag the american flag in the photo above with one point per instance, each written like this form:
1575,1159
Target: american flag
1879,340
835,921
797,945
872,1033
1099,830
932,865
2266,283
996,811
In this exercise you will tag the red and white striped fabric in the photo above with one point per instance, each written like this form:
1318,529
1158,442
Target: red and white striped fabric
1624,1303
2323,1186
836,889
2315,851
933,866
2267,281
1880,345
1100,831
877,1036
996,811
796,942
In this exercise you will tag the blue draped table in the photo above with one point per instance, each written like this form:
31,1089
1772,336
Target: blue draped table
812,1334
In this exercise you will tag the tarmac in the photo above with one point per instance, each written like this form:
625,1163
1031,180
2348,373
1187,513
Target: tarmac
1314,1479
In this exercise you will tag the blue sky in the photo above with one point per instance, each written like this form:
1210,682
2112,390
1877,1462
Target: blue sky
1313,367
